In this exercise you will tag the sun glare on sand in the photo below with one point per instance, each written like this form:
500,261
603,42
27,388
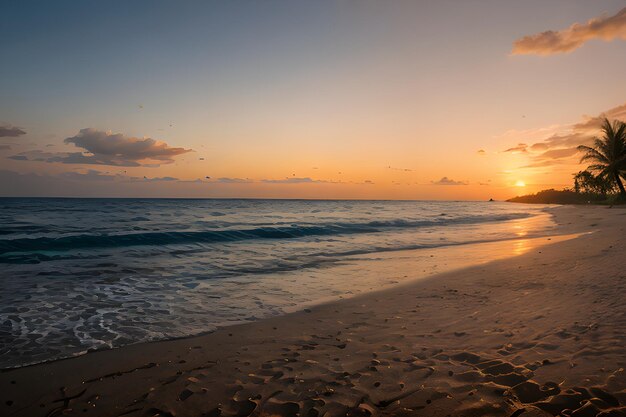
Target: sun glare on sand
520,183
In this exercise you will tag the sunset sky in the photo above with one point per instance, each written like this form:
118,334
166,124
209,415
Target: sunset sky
283,99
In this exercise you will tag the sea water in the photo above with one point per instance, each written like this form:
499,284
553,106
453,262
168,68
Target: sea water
81,274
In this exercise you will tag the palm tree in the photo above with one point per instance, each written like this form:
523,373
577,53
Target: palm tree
608,153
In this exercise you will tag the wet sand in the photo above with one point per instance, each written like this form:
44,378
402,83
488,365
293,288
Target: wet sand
539,334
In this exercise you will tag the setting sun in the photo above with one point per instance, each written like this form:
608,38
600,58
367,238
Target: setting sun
520,183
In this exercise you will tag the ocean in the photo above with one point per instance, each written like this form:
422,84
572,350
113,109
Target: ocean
84,274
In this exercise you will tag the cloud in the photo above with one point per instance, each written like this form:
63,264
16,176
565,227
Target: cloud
309,180
91,175
145,178
481,152
166,179
448,181
226,180
119,150
91,183
606,28
94,175
102,148
60,157
18,157
594,123
559,144
400,169
8,131
520,148
293,180
559,153
563,143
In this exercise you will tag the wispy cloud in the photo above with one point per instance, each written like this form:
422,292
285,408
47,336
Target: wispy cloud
400,169
606,28
558,145
294,180
90,182
227,180
8,131
520,148
91,175
95,175
449,181
155,179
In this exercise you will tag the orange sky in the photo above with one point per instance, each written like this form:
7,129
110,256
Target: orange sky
311,101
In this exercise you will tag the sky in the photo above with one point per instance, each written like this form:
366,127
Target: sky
448,100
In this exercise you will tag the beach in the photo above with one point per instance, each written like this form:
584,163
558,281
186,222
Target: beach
534,334
313,209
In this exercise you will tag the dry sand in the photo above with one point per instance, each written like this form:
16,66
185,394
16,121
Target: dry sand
539,334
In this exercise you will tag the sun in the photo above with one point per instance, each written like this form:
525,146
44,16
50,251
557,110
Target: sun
520,183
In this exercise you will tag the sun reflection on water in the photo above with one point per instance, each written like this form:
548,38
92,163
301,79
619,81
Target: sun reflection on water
520,247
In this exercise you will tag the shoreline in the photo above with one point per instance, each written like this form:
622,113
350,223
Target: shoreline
520,244
379,270
419,347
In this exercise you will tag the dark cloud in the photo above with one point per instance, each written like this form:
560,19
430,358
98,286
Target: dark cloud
102,148
119,150
66,158
481,152
448,181
4,147
606,28
18,157
8,131
80,158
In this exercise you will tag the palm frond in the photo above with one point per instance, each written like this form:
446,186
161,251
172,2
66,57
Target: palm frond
592,154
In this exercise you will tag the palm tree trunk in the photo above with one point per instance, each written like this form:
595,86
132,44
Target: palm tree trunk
622,191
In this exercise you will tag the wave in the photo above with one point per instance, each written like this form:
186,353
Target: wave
91,241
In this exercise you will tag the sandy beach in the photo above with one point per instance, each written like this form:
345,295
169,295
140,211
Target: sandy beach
538,334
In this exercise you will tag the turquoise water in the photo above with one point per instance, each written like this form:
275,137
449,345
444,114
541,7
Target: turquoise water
81,274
